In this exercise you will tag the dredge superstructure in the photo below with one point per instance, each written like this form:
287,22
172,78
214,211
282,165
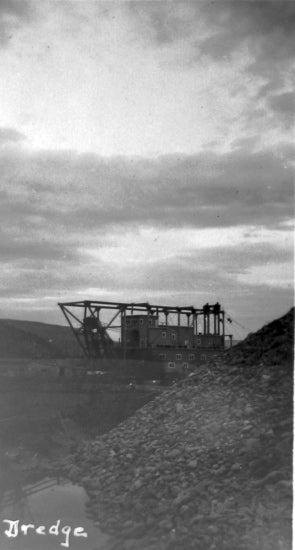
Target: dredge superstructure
152,340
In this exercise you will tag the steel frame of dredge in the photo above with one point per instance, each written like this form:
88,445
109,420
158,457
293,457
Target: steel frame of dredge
92,335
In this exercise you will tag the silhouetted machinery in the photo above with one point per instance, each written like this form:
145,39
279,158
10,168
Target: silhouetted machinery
96,338
149,341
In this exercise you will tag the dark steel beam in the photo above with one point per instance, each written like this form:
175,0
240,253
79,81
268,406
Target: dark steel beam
67,315
134,306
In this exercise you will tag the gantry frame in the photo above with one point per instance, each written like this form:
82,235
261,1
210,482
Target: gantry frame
92,335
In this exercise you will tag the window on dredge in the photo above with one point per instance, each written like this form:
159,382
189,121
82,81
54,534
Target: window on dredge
178,356
171,365
203,357
191,357
163,334
162,356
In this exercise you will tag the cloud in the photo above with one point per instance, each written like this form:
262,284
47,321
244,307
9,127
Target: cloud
260,32
226,25
217,265
270,24
13,13
53,192
10,135
230,273
163,22
284,105
213,273
161,228
199,190
21,249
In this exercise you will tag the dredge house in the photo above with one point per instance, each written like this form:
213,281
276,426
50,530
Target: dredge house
147,341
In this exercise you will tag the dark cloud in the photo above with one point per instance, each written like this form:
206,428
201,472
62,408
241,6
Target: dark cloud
245,143
10,135
270,24
218,30
56,192
284,105
165,21
13,13
201,190
227,260
12,249
229,23
213,267
37,277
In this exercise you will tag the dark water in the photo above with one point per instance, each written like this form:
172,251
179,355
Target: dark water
43,504
37,429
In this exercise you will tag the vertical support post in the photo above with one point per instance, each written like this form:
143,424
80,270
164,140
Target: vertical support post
123,317
178,325
148,327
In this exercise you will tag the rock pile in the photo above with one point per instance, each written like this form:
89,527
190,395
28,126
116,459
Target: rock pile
206,466
271,345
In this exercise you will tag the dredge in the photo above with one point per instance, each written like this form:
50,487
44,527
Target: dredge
151,341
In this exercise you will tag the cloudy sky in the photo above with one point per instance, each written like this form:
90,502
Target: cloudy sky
147,153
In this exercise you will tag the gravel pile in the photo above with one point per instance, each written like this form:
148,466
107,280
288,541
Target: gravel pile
205,465
271,345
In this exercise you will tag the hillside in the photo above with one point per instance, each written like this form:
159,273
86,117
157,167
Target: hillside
273,344
206,465
29,339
